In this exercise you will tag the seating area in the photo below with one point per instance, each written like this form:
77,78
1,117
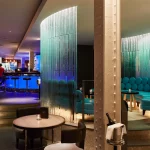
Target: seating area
66,95
142,85
17,82
76,136
32,133
35,129
88,103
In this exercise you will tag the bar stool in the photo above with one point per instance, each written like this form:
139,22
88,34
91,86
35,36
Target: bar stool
27,79
5,86
15,78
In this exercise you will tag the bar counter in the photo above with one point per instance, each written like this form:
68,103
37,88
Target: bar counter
21,83
21,73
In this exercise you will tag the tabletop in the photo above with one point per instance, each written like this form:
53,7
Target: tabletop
29,122
129,92
62,146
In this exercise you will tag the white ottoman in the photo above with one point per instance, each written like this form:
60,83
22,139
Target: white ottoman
62,146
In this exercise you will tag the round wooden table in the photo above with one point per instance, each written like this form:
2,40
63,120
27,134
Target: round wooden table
132,98
31,122
62,146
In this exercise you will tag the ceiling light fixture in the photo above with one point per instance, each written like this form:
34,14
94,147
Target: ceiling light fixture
9,31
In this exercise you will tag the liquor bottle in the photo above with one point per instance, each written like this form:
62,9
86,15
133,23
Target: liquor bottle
110,121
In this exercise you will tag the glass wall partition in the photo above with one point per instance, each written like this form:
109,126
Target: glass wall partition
58,62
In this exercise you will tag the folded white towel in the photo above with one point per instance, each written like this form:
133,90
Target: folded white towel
110,130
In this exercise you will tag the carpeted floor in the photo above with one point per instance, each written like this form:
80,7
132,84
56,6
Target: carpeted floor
18,98
143,124
7,139
136,121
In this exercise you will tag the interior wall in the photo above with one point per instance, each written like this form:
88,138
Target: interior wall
85,63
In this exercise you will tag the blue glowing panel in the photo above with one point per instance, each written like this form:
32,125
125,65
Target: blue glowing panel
37,62
21,84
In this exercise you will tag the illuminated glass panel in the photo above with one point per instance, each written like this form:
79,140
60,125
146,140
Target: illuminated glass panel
58,58
136,56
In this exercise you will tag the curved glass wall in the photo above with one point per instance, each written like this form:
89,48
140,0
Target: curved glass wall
58,62
136,56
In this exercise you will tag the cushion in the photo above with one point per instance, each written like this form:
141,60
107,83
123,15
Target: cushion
144,94
145,103
125,80
138,80
134,86
140,87
144,80
132,80
128,86
122,86
146,87
148,81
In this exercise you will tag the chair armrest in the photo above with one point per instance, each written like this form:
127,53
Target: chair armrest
18,130
71,136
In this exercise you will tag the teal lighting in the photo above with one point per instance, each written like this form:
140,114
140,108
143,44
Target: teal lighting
58,52
136,56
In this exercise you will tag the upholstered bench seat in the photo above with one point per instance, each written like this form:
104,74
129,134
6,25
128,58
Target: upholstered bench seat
145,104
88,103
141,95
142,85
89,107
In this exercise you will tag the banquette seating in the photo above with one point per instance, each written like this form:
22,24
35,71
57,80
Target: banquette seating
88,103
142,85
66,96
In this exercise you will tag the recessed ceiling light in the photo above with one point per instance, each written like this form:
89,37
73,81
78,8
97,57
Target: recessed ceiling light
9,31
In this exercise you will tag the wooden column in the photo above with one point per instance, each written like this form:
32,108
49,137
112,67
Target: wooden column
107,70
31,59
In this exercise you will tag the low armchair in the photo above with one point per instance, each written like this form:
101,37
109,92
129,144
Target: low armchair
32,133
88,103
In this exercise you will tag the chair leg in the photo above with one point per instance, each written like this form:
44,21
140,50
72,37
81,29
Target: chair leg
144,112
17,142
32,142
41,139
52,135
